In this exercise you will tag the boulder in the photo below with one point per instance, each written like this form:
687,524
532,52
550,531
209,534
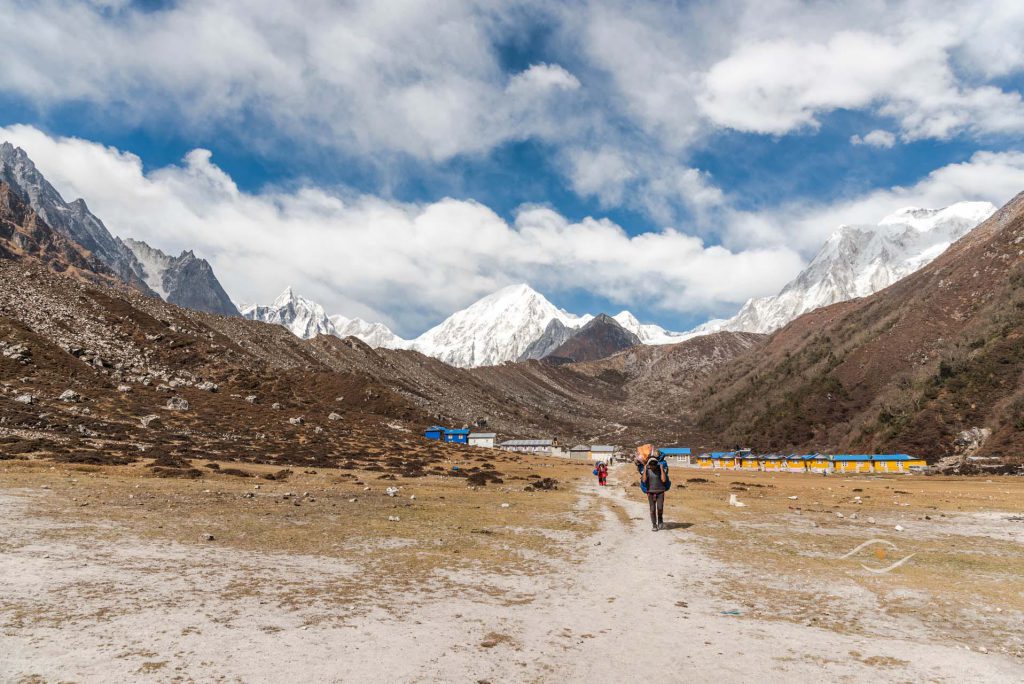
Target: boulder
151,420
251,398
177,404
297,421
124,388
208,386
25,399
334,416
70,395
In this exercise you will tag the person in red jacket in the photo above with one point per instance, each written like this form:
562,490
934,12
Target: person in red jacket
602,473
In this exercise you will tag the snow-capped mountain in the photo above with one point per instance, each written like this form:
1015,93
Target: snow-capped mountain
858,260
304,317
495,329
185,280
515,323
374,334
649,333
307,319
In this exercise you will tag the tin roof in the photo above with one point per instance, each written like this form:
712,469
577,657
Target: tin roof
456,432
602,448
527,442
673,451
483,435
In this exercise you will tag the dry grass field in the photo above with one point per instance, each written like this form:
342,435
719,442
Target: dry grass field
111,573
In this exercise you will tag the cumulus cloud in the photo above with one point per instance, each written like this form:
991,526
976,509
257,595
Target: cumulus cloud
907,71
406,264
876,138
624,95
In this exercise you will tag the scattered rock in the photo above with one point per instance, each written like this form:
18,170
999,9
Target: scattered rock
898,528
251,398
297,421
334,416
206,537
394,518
276,406
25,399
318,429
177,404
151,420
839,515
733,501
504,505
391,491
70,395
207,386
124,388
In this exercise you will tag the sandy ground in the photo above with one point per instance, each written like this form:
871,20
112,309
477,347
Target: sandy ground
98,603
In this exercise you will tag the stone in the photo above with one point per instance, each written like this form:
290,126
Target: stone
208,386
70,395
151,420
177,404
394,518
391,491
318,429
898,528
124,388
297,421
206,537
276,406
504,505
163,388
333,416
25,399
871,521
251,398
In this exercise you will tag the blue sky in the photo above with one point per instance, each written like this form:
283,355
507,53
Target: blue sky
399,160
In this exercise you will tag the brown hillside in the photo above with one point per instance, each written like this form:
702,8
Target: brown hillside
903,370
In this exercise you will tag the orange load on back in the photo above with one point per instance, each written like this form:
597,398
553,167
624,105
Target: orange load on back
644,452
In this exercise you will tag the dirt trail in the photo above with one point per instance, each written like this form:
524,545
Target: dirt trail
636,605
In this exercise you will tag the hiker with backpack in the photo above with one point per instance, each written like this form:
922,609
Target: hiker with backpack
602,473
654,482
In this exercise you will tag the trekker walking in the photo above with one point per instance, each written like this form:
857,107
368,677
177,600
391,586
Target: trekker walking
602,473
654,482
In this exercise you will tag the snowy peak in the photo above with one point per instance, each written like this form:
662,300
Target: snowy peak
859,260
307,319
498,328
649,333
303,317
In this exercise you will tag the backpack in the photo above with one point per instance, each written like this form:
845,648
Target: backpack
661,464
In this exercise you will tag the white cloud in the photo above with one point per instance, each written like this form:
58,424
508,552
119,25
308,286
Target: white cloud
402,263
907,70
876,138
415,77
627,94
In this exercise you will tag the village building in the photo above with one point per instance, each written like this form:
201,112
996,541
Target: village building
482,439
681,455
530,446
580,452
435,432
601,452
456,436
